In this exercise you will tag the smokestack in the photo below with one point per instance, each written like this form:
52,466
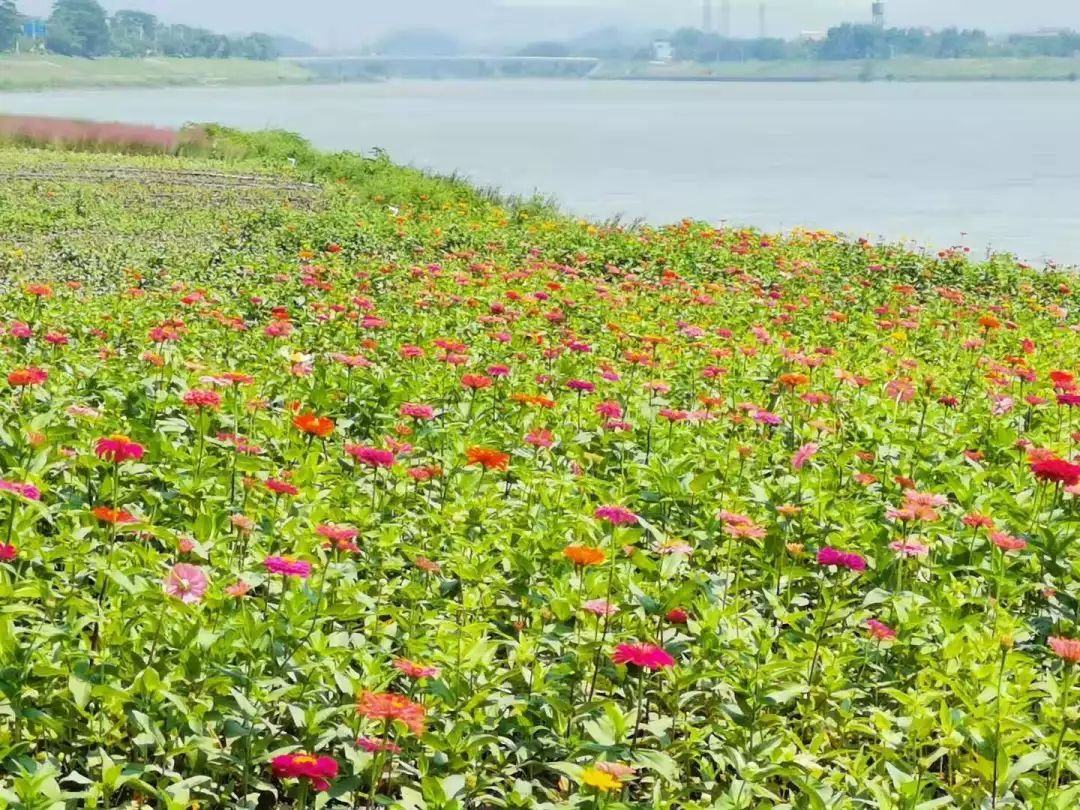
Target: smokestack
878,11
706,17
725,19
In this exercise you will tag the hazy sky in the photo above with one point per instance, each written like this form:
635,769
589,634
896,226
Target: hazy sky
348,23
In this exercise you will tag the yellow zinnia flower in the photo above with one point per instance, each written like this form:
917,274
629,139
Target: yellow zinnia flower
594,777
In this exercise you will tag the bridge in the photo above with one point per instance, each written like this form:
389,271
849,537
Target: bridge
344,68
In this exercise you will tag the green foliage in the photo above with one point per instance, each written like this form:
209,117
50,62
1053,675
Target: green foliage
78,28
9,24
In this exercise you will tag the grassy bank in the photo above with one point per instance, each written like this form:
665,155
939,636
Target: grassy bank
913,70
49,72
324,476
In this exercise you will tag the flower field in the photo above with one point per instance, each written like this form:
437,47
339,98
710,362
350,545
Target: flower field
344,486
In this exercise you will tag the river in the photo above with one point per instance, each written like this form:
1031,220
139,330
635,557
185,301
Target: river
986,165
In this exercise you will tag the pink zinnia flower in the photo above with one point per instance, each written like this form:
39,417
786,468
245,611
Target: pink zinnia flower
8,552
616,515
880,631
28,491
375,746
641,654
803,455
417,411
600,607
414,670
1065,648
185,582
906,548
1006,542
609,409
318,770
287,566
841,559
118,448
202,398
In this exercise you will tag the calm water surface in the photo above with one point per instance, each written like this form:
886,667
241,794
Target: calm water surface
986,165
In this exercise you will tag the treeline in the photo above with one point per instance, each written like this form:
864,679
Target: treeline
871,42
842,42
84,28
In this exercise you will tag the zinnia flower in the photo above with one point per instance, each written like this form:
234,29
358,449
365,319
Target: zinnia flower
907,548
416,411
118,448
880,631
28,491
115,516
1056,470
601,780
375,746
389,707
841,559
22,377
1065,648
316,769
287,566
642,654
616,515
321,426
8,552
583,555
488,458
1006,542
202,398
802,455
416,671
600,607
371,456
185,582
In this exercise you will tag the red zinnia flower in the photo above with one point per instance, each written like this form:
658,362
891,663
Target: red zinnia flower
8,552
1056,470
23,377
476,381
281,487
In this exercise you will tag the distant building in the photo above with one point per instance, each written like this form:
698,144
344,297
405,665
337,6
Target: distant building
877,9
813,36
662,51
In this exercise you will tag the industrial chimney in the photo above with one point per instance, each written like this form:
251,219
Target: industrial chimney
878,10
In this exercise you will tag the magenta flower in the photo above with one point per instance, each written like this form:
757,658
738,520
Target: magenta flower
28,491
370,456
841,559
287,566
185,582
644,655
8,552
417,411
616,515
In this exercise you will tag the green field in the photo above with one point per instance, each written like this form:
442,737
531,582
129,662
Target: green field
1035,69
53,72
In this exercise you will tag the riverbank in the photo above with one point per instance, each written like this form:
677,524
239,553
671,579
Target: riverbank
899,70
49,72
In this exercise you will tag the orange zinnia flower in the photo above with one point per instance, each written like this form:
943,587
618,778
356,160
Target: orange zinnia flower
115,516
488,458
321,426
584,555
389,707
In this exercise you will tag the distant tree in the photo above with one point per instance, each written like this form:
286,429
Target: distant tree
545,49
134,33
855,42
418,42
257,46
10,23
78,28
